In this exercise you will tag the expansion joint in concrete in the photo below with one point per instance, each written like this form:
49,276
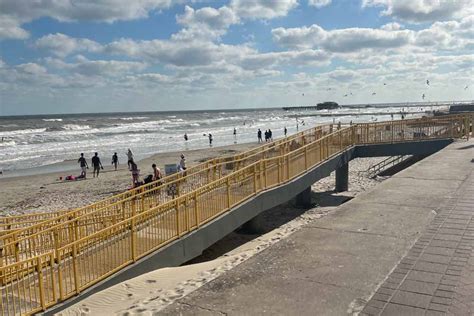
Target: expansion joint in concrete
351,231
203,308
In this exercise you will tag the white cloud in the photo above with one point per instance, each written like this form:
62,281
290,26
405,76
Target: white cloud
319,3
417,11
265,9
16,12
343,40
91,68
10,28
63,45
206,22
176,53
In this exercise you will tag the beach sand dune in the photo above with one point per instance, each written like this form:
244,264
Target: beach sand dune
153,291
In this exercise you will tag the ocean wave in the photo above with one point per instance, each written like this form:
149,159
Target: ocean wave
22,132
53,120
134,118
75,127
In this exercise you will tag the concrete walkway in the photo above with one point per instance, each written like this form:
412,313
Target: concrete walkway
404,248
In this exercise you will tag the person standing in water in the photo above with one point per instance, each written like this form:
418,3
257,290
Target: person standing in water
83,163
130,158
96,164
235,133
115,161
185,137
285,131
210,139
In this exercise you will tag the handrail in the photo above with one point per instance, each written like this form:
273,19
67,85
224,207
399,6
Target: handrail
22,242
70,268
37,216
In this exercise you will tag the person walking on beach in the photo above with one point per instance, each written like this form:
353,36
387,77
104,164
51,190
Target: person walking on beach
115,161
83,163
185,137
96,164
270,135
182,163
210,139
259,135
235,133
135,173
285,131
130,159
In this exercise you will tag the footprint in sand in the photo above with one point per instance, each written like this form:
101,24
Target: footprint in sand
84,310
150,281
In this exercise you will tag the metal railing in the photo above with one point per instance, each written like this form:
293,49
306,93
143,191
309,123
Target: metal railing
44,236
377,168
33,284
10,223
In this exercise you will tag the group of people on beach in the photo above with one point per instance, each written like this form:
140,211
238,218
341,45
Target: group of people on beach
156,172
268,135
132,167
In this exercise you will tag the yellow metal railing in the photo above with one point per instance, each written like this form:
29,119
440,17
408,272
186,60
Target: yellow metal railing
11,224
33,284
44,236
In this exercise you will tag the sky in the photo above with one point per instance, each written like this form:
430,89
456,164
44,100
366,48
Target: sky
81,56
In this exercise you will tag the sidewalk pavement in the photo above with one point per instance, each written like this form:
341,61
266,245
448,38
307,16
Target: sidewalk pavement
403,248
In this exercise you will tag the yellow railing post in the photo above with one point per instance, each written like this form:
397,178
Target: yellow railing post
39,271
279,169
196,211
265,173
177,218
228,191
142,201
391,128
60,277
53,279
133,239
306,158
75,268
255,189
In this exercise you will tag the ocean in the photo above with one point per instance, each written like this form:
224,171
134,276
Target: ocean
31,142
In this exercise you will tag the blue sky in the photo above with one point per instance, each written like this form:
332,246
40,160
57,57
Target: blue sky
120,55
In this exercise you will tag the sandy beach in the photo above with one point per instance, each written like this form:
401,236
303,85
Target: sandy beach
151,292
45,192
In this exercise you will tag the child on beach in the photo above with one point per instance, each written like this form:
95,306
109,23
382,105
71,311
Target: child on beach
83,163
115,161
156,173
